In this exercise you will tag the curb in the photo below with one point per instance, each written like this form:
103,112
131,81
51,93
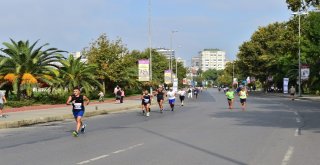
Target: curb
39,120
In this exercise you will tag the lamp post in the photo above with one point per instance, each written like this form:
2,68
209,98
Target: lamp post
299,52
171,38
150,46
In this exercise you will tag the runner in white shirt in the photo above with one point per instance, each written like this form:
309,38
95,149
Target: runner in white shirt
172,98
182,94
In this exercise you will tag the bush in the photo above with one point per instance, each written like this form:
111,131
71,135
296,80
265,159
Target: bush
21,103
47,98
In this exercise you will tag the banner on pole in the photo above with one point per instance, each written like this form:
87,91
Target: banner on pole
285,85
305,71
144,70
167,76
175,85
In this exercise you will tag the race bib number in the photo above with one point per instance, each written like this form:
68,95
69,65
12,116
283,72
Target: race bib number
146,100
77,106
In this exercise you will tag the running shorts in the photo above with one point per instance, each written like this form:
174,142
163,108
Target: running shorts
243,100
171,101
77,113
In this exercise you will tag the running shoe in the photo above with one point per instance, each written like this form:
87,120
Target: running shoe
161,110
148,114
75,133
83,128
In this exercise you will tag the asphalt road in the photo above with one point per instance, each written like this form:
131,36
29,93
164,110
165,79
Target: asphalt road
273,131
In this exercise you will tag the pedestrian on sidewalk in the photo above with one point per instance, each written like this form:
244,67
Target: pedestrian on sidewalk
243,94
2,101
292,92
122,96
115,91
230,97
78,101
101,96
118,96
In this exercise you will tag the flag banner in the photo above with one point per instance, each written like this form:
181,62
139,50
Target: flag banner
285,85
167,76
305,71
175,85
144,70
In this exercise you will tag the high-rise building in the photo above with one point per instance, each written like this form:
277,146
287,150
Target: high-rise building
77,55
212,59
166,52
184,62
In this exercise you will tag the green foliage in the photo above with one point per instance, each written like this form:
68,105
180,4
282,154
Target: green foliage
295,5
78,74
21,58
21,103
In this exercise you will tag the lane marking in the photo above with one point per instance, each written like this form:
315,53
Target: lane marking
288,156
107,155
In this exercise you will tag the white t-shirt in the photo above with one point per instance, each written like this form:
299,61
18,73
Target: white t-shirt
1,95
171,95
182,93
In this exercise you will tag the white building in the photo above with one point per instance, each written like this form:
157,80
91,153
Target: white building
212,59
77,55
184,62
166,52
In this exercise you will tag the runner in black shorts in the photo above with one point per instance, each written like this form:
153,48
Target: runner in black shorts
160,97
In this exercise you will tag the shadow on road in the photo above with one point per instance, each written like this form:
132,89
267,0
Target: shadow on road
195,147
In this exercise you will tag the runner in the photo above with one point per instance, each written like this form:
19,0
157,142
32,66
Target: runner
196,92
77,101
230,97
243,98
190,92
160,97
142,103
172,98
146,102
182,94
2,101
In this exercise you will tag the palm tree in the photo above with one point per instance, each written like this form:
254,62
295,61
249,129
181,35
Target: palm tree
24,66
77,74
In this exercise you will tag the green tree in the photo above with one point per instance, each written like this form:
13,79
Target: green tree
103,53
24,66
295,5
77,74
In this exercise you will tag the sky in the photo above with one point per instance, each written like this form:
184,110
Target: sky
72,25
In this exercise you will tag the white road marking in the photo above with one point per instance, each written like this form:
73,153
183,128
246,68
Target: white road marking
116,152
107,155
288,156
298,119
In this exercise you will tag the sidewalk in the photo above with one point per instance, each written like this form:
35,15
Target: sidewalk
303,97
24,116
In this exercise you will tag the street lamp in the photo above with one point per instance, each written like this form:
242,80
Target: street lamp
171,38
149,36
299,53
177,63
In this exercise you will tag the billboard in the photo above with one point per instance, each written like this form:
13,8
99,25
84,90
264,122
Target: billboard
144,70
167,76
